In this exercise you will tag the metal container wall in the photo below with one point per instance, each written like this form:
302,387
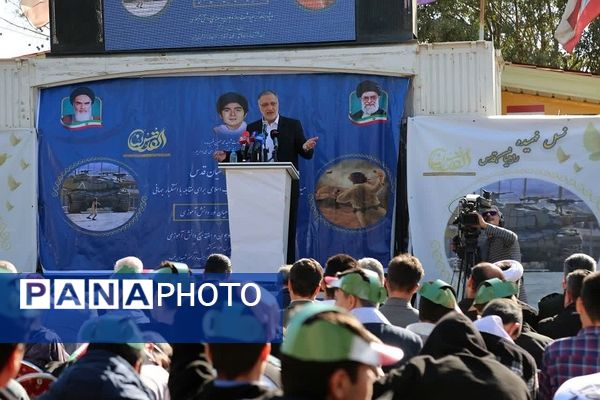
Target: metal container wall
456,78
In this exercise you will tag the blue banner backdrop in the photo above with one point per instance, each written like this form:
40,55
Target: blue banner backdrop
126,166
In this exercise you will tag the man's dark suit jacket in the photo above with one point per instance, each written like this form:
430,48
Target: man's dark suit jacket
408,341
291,138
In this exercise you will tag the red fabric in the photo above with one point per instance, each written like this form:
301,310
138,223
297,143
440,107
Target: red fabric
36,384
27,368
578,14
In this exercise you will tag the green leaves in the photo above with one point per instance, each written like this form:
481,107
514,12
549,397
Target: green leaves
522,29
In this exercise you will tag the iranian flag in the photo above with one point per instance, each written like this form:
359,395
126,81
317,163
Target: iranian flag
578,14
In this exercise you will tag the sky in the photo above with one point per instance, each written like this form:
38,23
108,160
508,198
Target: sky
17,36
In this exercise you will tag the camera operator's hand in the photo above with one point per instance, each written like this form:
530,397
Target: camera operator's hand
482,223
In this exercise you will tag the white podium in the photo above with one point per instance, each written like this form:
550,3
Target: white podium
258,199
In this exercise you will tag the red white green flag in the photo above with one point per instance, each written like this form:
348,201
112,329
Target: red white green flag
578,14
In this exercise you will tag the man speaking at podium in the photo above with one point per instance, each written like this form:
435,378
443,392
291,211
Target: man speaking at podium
291,143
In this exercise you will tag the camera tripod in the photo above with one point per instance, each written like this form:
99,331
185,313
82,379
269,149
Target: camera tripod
467,262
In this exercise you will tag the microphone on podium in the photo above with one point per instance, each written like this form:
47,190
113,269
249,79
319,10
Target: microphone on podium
274,136
251,147
260,141
244,141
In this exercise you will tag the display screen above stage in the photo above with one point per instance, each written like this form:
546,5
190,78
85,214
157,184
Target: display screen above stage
178,24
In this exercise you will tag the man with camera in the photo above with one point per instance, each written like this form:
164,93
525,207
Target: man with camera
496,243
484,228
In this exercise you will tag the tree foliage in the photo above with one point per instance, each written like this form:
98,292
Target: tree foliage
522,29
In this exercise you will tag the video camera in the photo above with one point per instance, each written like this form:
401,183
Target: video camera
465,242
468,212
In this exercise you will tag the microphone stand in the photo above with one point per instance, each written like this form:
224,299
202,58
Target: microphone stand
274,135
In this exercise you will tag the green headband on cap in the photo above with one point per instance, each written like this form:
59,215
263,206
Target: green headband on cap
174,268
325,341
439,292
127,269
494,289
364,285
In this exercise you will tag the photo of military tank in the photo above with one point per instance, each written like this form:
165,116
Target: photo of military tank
82,188
551,222
104,189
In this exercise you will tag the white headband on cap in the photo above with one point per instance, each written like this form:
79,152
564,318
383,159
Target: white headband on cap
514,272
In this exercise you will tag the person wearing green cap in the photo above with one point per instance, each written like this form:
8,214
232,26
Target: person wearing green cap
479,273
495,288
454,363
328,354
360,291
437,299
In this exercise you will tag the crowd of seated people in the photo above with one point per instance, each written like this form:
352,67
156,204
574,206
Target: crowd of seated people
352,330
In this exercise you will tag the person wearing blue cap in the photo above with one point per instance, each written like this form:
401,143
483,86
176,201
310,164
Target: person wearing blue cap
110,368
238,349
15,326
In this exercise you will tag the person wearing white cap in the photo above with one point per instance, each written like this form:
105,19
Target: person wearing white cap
7,266
512,271
129,265
328,354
